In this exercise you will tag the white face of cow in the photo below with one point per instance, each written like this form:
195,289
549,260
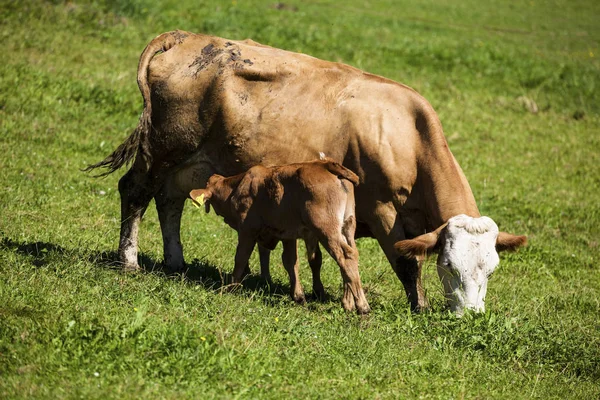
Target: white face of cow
468,254
467,258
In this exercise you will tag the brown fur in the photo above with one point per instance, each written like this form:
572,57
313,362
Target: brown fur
508,242
213,105
303,200
421,246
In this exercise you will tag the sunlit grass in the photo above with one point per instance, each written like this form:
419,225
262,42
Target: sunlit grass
72,325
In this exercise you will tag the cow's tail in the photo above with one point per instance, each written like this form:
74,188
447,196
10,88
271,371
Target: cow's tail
341,172
125,153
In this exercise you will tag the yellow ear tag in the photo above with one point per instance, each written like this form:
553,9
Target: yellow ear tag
199,200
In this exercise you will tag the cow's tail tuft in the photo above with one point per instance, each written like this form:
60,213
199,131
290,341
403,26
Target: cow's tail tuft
125,153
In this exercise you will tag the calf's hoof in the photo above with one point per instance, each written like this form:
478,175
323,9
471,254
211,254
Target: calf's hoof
422,306
363,309
319,293
232,287
348,303
267,278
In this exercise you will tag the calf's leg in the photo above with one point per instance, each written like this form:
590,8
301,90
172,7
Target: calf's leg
242,256
346,257
315,260
290,262
265,258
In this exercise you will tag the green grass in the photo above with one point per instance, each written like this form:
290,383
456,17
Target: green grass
72,325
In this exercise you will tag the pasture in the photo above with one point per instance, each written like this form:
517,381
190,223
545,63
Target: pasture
517,88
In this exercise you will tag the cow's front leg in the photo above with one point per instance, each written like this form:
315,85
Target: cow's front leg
290,262
387,228
169,205
136,188
409,273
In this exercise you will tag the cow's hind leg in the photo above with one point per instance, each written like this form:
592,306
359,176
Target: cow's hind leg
136,188
290,262
169,205
315,260
170,201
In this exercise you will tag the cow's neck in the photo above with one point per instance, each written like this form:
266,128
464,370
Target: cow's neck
444,188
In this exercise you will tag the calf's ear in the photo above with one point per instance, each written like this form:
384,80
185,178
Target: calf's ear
419,246
200,198
510,242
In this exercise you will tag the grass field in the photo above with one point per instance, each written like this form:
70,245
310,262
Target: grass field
517,87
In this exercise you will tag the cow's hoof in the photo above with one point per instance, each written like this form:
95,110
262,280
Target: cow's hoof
267,278
246,272
131,268
299,298
420,308
175,269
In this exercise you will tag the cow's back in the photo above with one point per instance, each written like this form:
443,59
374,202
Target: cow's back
235,104
245,104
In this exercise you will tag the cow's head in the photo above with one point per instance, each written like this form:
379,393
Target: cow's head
467,250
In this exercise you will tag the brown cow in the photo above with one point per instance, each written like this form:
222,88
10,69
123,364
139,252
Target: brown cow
313,201
213,105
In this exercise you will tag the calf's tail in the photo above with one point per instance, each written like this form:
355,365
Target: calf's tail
341,172
129,148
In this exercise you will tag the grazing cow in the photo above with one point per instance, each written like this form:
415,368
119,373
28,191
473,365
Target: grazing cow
213,105
313,201
468,255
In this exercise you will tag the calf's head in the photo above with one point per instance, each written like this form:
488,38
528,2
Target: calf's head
211,195
467,250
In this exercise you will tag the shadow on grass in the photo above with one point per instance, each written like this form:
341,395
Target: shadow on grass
198,272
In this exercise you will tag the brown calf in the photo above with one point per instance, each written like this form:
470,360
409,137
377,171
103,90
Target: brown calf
313,201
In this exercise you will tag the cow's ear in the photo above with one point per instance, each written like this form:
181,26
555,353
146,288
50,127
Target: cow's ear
510,242
201,197
419,246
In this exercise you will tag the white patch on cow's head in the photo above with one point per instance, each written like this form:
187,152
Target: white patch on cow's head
466,260
322,155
